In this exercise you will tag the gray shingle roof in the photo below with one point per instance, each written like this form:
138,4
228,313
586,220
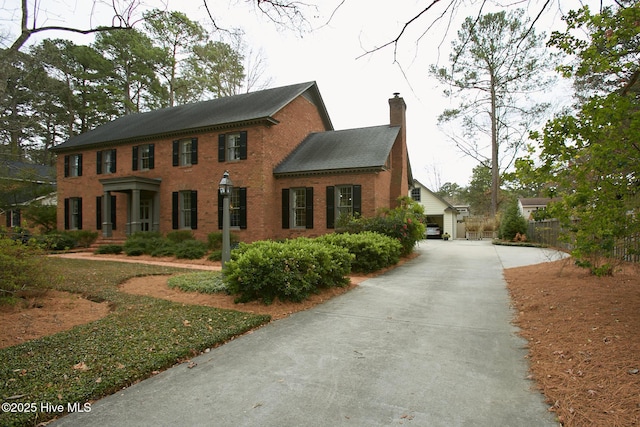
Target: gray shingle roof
202,115
31,172
362,148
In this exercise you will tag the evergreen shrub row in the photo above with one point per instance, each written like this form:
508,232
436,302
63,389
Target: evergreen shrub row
372,251
288,270
180,244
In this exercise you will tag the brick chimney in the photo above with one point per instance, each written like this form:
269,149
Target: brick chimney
399,156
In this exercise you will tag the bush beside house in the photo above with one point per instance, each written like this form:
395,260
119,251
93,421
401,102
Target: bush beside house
289,270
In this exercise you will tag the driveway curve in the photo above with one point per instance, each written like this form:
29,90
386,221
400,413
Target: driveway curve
429,343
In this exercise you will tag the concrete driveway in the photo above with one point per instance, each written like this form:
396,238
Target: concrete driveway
428,344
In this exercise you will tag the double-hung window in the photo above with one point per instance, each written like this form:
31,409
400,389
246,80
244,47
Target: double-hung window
185,152
232,146
73,213
143,157
415,194
237,208
297,207
185,210
73,165
343,200
106,161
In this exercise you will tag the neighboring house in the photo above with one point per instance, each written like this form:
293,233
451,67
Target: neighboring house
438,210
293,175
21,184
527,206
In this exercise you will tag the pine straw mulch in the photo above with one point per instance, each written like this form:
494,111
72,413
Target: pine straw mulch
584,344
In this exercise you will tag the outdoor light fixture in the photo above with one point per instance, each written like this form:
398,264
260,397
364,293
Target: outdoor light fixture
225,187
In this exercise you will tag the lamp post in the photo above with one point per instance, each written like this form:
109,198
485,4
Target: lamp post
225,188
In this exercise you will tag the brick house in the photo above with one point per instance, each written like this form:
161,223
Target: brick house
293,175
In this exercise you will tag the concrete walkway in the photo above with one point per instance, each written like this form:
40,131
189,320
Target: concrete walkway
428,344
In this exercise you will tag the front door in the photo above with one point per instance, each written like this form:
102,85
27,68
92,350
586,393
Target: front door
146,215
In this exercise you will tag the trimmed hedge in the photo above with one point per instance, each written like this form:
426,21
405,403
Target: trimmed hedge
289,270
372,251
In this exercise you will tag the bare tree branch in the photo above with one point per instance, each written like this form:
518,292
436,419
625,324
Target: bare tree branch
399,36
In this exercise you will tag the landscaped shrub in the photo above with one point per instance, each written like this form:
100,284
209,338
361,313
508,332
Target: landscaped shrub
206,282
512,223
190,249
17,271
57,241
214,240
109,249
162,247
372,251
289,270
404,223
179,236
84,238
143,242
215,255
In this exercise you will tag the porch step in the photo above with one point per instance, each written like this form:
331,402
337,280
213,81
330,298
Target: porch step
101,241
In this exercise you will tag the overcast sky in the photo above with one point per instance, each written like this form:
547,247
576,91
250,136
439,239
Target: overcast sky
355,88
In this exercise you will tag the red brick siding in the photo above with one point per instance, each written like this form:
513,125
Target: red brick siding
266,147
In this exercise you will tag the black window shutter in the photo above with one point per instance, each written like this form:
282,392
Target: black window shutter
222,142
175,223
331,209
113,161
99,212
220,210
79,213
8,218
357,200
194,151
151,156
243,145
285,208
309,206
176,153
113,211
134,164
66,166
66,214
194,210
243,207
99,162
79,164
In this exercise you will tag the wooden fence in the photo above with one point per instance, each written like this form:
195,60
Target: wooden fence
549,232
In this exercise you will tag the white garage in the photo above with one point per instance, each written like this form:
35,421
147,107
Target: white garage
438,210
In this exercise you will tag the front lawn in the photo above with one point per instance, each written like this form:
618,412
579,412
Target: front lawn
140,337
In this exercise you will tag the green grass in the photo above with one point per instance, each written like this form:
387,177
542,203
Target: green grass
142,335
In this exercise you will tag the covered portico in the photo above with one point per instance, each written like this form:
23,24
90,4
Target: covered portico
143,203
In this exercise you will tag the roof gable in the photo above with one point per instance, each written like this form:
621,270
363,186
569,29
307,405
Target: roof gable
189,118
362,148
434,196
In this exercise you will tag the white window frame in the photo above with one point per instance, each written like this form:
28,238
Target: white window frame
298,202
74,213
233,146
344,200
185,209
108,158
185,147
74,164
144,153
